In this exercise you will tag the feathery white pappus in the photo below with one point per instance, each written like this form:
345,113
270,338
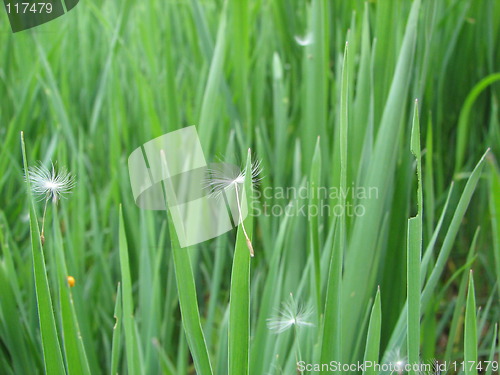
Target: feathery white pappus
49,183
224,179
292,314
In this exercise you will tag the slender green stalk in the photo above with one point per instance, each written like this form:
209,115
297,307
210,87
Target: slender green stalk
332,329
414,248
313,217
239,300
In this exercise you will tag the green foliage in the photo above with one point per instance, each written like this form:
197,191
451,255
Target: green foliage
384,262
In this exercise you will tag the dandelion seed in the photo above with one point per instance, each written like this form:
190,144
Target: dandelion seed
292,314
431,367
223,179
306,40
396,361
49,185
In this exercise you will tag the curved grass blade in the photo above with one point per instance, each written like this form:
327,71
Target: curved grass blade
463,121
52,355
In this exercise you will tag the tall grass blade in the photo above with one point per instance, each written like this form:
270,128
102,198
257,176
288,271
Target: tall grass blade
459,302
493,351
372,350
414,248
188,302
494,203
470,338
53,360
358,273
134,364
239,300
313,219
74,350
117,333
399,333
331,348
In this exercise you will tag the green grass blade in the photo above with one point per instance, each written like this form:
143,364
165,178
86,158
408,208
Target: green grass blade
459,302
239,302
463,122
399,332
316,78
240,21
313,216
373,339
453,230
332,328
52,355
208,111
358,273
470,337
414,248
131,343
494,203
493,350
74,350
188,302
117,333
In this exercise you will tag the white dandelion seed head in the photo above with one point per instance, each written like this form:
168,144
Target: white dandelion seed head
305,40
224,177
291,314
397,360
429,367
49,183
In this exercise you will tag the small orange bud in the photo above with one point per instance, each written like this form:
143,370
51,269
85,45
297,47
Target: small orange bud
71,281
